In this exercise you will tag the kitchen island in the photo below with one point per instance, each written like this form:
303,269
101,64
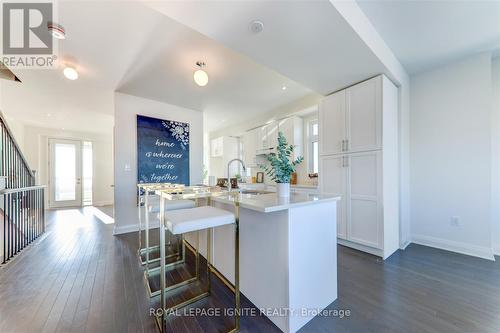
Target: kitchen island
288,254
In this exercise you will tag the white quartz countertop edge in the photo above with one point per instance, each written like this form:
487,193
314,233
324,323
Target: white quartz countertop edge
264,203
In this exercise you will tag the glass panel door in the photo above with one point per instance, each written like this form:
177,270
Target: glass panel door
65,173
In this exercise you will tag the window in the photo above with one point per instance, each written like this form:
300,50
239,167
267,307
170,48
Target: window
313,145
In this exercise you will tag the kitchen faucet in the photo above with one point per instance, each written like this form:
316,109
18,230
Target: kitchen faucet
228,175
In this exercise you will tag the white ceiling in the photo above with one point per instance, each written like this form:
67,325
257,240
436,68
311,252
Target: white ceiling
129,47
425,34
238,89
102,53
307,41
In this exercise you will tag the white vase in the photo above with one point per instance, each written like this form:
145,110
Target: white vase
283,189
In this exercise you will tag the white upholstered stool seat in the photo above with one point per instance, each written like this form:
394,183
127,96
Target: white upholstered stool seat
199,218
154,204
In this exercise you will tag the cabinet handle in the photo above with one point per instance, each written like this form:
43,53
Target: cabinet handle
343,161
346,145
343,145
347,161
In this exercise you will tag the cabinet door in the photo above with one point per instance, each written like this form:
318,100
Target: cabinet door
332,123
365,194
364,116
333,180
272,134
216,147
292,129
249,147
261,137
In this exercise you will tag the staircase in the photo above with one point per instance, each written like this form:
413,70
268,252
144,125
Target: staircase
22,203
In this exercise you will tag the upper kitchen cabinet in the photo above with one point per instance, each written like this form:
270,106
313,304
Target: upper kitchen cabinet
264,140
250,147
217,147
292,128
332,124
267,138
364,116
351,119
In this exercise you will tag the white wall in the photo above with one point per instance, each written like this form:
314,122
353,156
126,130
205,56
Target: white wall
36,151
126,109
495,166
451,156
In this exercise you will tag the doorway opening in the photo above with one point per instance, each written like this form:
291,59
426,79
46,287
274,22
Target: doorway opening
71,173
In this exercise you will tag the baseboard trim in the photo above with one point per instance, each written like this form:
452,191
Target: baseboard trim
404,245
125,229
458,247
496,249
362,248
102,203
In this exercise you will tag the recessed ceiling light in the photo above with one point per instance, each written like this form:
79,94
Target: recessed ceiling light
256,26
56,30
70,73
200,76
283,88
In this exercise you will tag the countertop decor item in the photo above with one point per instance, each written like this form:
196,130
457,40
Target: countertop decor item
281,165
260,177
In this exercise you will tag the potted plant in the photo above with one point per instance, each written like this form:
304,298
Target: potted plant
281,166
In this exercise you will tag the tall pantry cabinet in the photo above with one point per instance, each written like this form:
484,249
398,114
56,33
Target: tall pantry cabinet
358,146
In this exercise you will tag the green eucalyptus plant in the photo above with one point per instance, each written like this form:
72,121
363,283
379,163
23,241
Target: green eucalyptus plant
281,167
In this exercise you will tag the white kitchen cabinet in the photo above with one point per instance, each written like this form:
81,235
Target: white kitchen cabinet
217,147
365,198
364,116
267,136
334,181
332,124
292,128
272,134
250,146
363,169
351,119
224,149
264,140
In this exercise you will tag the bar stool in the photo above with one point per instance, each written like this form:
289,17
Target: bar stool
149,207
195,220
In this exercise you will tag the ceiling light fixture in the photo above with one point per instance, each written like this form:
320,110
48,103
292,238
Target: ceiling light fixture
200,76
256,26
56,30
283,88
70,73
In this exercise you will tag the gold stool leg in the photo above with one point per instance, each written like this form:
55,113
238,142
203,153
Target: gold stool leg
209,259
237,266
197,255
163,302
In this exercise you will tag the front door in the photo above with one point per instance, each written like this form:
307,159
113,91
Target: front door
65,173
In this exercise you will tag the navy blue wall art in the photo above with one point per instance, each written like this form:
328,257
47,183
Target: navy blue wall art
162,151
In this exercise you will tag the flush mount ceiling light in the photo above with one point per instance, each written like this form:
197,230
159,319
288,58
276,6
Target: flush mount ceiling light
200,76
70,73
284,88
256,26
56,30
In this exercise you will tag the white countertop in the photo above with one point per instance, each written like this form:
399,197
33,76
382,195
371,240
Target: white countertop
270,202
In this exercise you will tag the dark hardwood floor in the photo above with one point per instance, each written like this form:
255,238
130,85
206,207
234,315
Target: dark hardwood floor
78,277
